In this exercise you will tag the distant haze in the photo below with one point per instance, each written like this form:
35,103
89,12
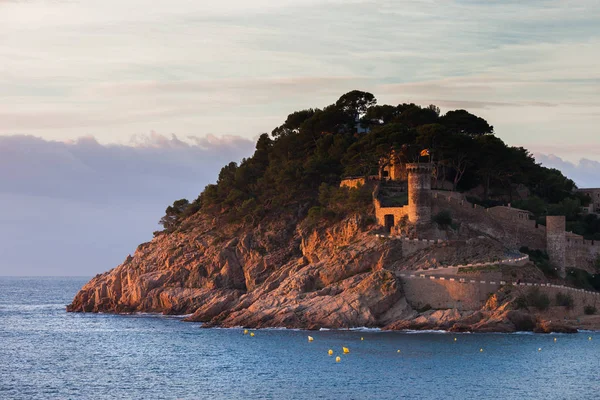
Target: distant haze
91,94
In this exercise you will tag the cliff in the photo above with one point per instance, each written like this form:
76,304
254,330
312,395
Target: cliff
279,274
285,273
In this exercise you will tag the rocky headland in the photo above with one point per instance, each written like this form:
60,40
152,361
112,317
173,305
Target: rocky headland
332,226
285,274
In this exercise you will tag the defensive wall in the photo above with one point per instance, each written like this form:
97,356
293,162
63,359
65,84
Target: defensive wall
497,222
409,245
396,213
468,294
509,225
354,182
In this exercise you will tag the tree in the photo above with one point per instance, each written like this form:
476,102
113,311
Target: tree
293,123
459,151
355,104
413,115
462,121
172,214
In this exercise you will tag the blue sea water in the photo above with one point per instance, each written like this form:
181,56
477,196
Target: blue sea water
48,353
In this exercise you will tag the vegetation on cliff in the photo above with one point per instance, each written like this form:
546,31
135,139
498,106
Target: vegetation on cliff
297,169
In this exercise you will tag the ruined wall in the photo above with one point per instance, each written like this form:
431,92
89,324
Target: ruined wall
556,241
581,253
509,213
513,232
353,183
380,212
419,193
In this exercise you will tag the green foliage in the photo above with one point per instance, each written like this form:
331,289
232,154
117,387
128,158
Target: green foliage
535,298
521,302
319,146
174,213
582,279
589,310
534,204
541,260
443,219
480,269
565,300
461,121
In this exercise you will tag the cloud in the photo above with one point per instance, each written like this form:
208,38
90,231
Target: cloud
585,172
79,207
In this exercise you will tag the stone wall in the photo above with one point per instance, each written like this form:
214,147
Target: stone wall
469,294
514,232
581,253
422,291
353,183
380,212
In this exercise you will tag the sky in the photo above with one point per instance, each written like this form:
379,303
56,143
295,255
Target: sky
110,110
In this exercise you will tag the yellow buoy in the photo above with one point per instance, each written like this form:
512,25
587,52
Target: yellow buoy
590,338
554,339
310,338
346,350
330,352
362,338
338,359
481,350
398,351
251,333
245,331
455,339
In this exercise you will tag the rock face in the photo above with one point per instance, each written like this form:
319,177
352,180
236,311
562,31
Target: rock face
271,276
285,274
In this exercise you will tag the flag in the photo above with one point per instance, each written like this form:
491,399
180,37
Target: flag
425,153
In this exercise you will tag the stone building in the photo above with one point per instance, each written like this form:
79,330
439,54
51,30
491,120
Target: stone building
418,210
594,206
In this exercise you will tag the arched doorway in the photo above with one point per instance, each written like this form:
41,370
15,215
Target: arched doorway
389,222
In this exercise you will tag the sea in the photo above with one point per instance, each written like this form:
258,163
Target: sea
47,353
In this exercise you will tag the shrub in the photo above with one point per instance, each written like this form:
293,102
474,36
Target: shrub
541,260
589,310
537,299
565,300
443,219
521,302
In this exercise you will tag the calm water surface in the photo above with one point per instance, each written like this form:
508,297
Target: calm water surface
48,353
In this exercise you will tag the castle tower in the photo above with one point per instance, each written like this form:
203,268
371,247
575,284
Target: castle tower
419,192
556,241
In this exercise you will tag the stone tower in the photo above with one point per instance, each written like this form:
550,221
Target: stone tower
419,192
556,241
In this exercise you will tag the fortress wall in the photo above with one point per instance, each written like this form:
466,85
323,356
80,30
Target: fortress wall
353,183
381,212
515,233
471,294
397,212
581,253
421,292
